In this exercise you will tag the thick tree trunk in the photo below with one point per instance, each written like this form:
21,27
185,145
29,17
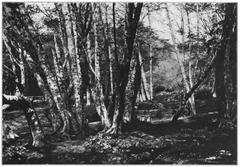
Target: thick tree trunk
134,81
133,15
31,116
79,114
226,69
99,99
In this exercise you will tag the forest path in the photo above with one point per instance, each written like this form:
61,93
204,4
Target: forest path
189,141
193,143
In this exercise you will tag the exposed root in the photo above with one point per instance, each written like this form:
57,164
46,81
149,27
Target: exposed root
113,131
104,130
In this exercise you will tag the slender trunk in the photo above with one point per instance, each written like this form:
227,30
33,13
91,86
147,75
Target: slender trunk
198,35
150,63
15,65
89,57
109,51
23,71
190,73
151,73
143,76
142,92
63,37
187,87
191,99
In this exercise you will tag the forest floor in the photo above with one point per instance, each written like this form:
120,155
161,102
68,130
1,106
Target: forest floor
189,141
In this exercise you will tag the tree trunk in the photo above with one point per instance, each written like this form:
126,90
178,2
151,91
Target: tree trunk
189,94
99,99
226,68
31,116
150,62
79,114
89,57
132,89
190,73
143,76
133,15
187,87
108,36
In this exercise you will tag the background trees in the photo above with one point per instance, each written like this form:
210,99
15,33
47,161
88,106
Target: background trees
110,56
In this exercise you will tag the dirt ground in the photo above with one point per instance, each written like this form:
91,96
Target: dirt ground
189,141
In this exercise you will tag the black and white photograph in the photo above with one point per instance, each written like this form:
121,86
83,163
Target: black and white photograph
119,83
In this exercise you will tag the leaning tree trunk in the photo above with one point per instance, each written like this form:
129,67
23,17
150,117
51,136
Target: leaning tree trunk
187,87
34,54
190,73
31,116
189,94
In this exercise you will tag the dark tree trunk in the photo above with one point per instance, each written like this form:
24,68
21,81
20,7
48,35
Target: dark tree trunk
132,90
226,67
133,15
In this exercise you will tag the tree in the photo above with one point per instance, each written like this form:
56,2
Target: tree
32,118
132,14
57,75
225,69
150,62
187,86
99,97
144,93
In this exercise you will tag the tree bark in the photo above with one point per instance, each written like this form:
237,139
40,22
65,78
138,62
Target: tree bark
150,62
143,76
226,68
99,99
133,15
187,87
132,89
75,70
31,116
189,94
